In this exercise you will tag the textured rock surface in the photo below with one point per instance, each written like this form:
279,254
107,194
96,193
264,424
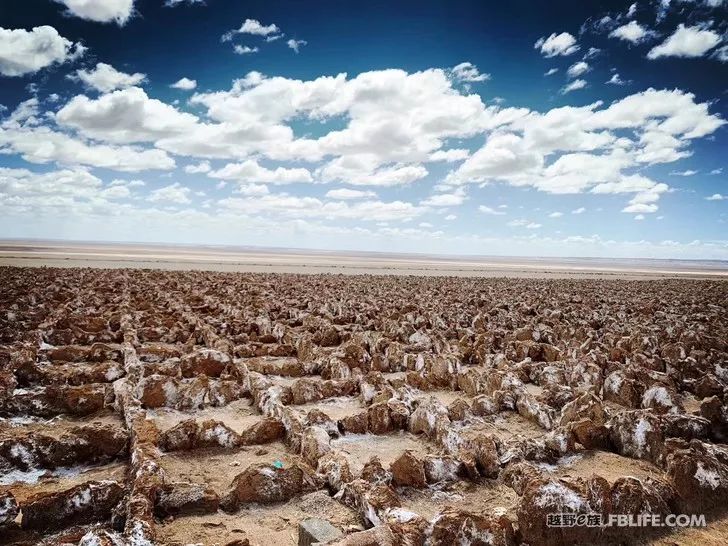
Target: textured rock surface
435,410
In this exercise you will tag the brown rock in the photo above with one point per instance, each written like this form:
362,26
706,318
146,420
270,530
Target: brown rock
452,526
184,499
266,431
265,484
407,469
80,504
207,362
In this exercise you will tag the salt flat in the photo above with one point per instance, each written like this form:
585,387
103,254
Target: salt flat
269,260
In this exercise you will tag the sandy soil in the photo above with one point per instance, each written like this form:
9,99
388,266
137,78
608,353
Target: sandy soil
335,408
262,525
218,467
360,448
238,415
604,463
486,497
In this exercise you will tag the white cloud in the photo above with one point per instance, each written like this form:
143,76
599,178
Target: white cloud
249,189
450,156
450,217
346,194
105,78
639,217
573,86
174,193
551,71
251,171
686,42
253,26
26,52
202,167
632,10
452,199
580,210
556,215
716,197
310,207
185,84
468,72
489,210
101,11
363,170
524,223
654,127
717,171
577,69
125,116
688,172
245,50
632,32
721,54
616,80
295,45
43,145
557,44
641,208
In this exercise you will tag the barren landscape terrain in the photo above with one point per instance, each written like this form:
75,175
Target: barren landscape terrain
146,407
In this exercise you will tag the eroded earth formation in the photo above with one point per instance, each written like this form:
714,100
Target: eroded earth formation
175,408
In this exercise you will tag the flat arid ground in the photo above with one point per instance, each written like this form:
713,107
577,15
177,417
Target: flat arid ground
263,260
148,406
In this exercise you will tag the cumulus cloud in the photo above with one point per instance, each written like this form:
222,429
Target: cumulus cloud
251,171
654,127
185,84
174,193
580,210
686,42
101,11
244,50
557,44
290,206
346,194
124,116
26,52
489,210
687,172
577,69
106,78
452,199
468,72
573,86
295,45
556,215
551,71
632,32
616,80
255,28
450,156
716,197
202,167
524,223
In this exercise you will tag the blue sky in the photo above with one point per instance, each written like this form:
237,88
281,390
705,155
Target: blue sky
518,128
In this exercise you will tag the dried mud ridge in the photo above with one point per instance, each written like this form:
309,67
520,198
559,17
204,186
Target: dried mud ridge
143,407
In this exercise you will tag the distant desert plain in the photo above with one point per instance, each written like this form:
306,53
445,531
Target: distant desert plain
36,253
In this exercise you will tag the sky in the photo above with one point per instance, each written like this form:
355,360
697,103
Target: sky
515,128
